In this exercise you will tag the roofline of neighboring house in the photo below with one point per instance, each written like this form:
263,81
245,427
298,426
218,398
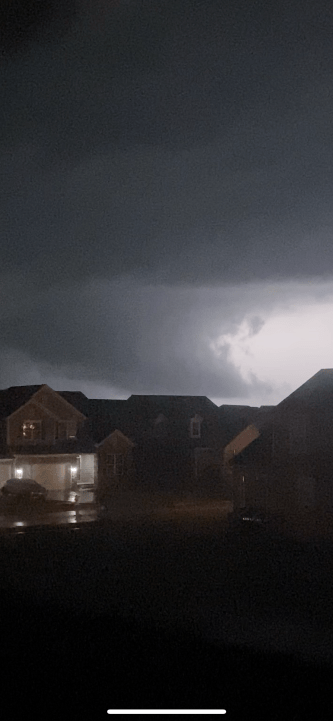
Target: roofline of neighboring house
319,373
44,385
119,433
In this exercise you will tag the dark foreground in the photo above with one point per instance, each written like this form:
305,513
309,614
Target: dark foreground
56,663
110,617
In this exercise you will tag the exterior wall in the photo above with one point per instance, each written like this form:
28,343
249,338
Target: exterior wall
52,472
87,468
208,473
241,441
108,482
164,465
60,410
57,405
30,412
289,468
6,471
24,464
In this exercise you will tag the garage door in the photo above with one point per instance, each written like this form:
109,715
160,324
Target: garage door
52,476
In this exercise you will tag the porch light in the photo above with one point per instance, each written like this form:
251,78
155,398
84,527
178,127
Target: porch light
19,472
73,471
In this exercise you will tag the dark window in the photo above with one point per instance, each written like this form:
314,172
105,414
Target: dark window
115,464
195,429
61,430
71,428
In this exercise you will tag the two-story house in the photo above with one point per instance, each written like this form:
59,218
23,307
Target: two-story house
111,431
63,440
41,437
288,465
177,443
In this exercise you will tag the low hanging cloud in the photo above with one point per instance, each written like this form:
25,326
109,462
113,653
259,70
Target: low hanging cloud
255,325
130,337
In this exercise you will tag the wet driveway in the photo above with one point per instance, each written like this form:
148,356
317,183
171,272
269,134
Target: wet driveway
56,511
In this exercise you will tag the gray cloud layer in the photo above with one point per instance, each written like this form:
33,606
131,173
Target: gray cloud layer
177,144
140,339
173,144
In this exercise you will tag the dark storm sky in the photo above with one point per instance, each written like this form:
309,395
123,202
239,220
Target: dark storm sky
163,164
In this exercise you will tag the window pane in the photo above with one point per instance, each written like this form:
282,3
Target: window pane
32,430
115,463
71,429
195,428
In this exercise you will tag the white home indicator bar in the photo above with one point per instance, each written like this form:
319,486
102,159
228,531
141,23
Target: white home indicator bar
168,711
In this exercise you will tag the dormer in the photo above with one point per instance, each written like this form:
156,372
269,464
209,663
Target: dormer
195,426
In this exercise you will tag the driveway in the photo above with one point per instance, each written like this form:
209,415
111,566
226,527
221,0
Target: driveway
56,511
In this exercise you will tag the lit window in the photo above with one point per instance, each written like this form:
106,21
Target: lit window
115,464
32,430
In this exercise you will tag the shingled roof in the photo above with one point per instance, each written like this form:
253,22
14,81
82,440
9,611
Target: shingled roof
76,399
106,416
171,405
12,398
318,389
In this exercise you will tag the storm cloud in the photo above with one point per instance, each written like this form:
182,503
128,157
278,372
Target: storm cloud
157,160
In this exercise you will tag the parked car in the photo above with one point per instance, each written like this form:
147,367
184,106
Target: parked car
24,488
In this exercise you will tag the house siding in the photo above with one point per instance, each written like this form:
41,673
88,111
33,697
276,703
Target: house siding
87,468
108,482
6,471
46,407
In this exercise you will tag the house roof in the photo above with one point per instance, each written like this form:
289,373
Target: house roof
142,412
170,405
234,418
106,416
165,400
14,397
318,389
76,399
316,392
